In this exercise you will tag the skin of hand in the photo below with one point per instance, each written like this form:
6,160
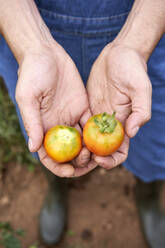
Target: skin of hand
50,92
119,82
49,89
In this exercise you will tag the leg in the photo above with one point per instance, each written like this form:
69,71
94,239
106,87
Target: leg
152,218
54,210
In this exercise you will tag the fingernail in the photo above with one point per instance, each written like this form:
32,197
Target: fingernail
134,131
68,172
30,144
98,160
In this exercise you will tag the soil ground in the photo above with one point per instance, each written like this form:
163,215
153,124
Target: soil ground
102,211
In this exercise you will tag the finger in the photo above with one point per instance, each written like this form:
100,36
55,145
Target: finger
84,156
106,162
141,108
30,113
116,158
83,171
85,118
61,170
77,126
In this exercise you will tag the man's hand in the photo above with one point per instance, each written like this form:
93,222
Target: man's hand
50,92
119,82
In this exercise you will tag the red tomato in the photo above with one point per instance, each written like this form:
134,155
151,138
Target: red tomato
103,134
62,143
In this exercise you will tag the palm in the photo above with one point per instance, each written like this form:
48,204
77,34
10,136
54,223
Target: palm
64,98
112,86
58,95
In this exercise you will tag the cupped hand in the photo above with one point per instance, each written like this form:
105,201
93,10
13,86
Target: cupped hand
50,92
119,82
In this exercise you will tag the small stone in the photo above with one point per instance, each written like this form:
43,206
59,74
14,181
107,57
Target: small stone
126,189
103,205
4,200
109,225
87,235
119,212
102,171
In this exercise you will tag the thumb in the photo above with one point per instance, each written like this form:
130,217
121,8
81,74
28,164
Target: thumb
84,156
30,112
141,109
84,118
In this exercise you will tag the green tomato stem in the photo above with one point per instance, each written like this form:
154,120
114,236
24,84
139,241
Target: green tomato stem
107,123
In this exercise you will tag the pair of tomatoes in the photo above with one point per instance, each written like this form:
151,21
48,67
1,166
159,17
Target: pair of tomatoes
103,134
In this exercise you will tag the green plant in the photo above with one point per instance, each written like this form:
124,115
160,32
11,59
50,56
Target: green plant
77,246
70,233
9,236
13,147
34,246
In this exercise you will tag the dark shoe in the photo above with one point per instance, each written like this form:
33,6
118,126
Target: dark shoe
53,213
151,215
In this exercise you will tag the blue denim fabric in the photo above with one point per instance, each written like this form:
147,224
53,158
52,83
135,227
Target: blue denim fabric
86,8
83,28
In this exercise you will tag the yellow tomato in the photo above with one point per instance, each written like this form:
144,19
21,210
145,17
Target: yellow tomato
62,143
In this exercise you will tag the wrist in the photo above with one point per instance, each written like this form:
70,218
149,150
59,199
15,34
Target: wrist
140,48
144,27
32,44
23,28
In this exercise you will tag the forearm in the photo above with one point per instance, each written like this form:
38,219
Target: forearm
144,27
22,27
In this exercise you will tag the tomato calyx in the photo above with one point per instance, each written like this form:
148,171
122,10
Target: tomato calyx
106,123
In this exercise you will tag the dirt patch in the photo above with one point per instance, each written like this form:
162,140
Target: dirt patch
102,212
